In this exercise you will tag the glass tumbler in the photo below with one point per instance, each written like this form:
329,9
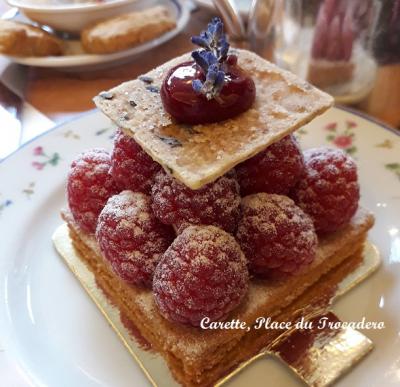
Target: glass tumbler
329,43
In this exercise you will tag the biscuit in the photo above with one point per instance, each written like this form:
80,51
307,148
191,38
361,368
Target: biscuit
126,31
197,155
19,39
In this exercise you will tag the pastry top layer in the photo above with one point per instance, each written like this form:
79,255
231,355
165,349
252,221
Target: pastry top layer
197,155
264,298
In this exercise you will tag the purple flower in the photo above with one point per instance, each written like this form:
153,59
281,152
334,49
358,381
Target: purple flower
38,151
213,40
213,84
343,141
351,124
211,59
37,165
331,126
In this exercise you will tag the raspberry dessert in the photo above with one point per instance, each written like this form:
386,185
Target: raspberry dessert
131,167
275,170
89,186
202,274
131,238
216,203
277,237
171,289
329,190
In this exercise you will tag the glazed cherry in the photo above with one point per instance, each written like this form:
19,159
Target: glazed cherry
187,106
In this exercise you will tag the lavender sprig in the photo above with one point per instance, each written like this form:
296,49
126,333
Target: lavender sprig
211,59
213,84
213,39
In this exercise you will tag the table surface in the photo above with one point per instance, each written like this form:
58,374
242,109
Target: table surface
32,100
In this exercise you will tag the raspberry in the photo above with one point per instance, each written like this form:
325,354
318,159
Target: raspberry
89,185
131,167
329,190
216,203
131,238
277,237
202,274
275,170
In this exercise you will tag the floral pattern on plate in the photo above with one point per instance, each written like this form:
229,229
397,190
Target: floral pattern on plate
4,204
46,159
341,134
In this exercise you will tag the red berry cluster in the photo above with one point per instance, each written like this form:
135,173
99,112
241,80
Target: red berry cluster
204,271
131,238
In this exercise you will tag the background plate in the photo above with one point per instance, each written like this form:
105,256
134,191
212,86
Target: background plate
77,60
49,324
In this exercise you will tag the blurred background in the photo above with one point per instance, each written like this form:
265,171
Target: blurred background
350,48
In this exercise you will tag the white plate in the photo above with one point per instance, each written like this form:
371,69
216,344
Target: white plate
49,324
76,59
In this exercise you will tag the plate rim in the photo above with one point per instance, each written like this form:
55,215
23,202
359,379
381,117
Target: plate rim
62,8
368,117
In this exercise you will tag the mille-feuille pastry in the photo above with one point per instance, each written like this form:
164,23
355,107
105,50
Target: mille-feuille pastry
127,30
19,39
207,210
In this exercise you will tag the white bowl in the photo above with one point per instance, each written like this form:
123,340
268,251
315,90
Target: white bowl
72,17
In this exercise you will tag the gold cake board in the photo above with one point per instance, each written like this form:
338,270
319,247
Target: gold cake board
319,365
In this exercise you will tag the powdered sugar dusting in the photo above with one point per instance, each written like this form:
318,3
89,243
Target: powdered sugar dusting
216,203
275,170
131,167
131,238
202,274
277,237
329,190
89,185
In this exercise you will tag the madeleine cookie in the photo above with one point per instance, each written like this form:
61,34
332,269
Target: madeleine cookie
20,39
126,31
